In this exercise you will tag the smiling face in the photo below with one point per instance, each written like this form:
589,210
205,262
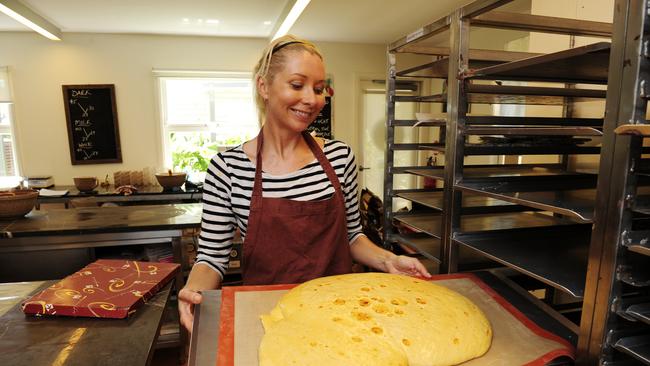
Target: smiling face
295,94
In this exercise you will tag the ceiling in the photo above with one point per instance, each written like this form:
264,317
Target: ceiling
356,21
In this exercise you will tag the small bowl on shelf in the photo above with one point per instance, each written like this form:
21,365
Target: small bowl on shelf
85,184
171,180
17,203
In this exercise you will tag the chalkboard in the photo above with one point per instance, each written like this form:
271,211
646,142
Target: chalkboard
91,118
323,123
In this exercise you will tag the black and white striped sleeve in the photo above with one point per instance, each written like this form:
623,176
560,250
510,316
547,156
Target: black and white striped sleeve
351,194
218,219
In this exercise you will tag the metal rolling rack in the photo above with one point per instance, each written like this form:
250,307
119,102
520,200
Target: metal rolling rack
589,211
476,204
429,241
555,255
616,323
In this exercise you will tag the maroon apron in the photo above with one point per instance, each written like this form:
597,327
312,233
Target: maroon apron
291,241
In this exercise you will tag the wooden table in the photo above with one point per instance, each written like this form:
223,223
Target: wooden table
65,341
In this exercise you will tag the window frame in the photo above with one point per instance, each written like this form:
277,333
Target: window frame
10,130
163,128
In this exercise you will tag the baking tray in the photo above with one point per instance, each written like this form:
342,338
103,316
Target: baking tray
517,339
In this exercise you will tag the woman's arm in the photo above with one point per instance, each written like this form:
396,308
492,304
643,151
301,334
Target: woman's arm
215,240
366,252
201,278
363,250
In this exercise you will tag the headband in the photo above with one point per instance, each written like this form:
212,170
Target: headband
282,45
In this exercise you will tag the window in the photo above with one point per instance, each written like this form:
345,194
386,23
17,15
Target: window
204,114
8,161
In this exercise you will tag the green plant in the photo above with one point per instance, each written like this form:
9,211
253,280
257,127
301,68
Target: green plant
191,153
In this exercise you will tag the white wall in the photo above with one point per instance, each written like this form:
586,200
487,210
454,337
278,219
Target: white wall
39,67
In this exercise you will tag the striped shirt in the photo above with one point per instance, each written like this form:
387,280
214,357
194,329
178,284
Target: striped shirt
229,185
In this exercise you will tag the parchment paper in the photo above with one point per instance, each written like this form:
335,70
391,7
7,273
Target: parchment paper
516,340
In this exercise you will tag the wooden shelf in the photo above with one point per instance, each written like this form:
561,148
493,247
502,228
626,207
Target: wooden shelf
556,255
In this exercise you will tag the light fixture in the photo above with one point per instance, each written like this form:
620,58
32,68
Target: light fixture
291,17
18,11
212,21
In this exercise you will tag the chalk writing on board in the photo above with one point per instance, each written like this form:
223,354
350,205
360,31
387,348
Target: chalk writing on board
92,124
323,122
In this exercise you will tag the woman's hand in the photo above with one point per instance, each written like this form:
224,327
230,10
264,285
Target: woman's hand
401,264
201,278
366,252
186,300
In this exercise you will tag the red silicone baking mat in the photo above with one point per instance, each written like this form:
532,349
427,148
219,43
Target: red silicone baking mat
516,340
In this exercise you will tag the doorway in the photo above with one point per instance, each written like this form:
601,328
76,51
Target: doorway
372,160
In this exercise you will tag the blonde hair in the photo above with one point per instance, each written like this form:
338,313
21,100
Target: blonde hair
272,61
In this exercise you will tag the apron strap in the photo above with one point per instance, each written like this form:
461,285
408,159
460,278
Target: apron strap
257,184
322,159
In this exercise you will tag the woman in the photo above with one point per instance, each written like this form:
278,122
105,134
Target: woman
306,223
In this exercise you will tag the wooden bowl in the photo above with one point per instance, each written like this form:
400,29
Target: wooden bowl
85,184
17,203
169,181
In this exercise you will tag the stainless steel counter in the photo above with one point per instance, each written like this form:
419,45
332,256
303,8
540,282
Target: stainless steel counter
65,341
